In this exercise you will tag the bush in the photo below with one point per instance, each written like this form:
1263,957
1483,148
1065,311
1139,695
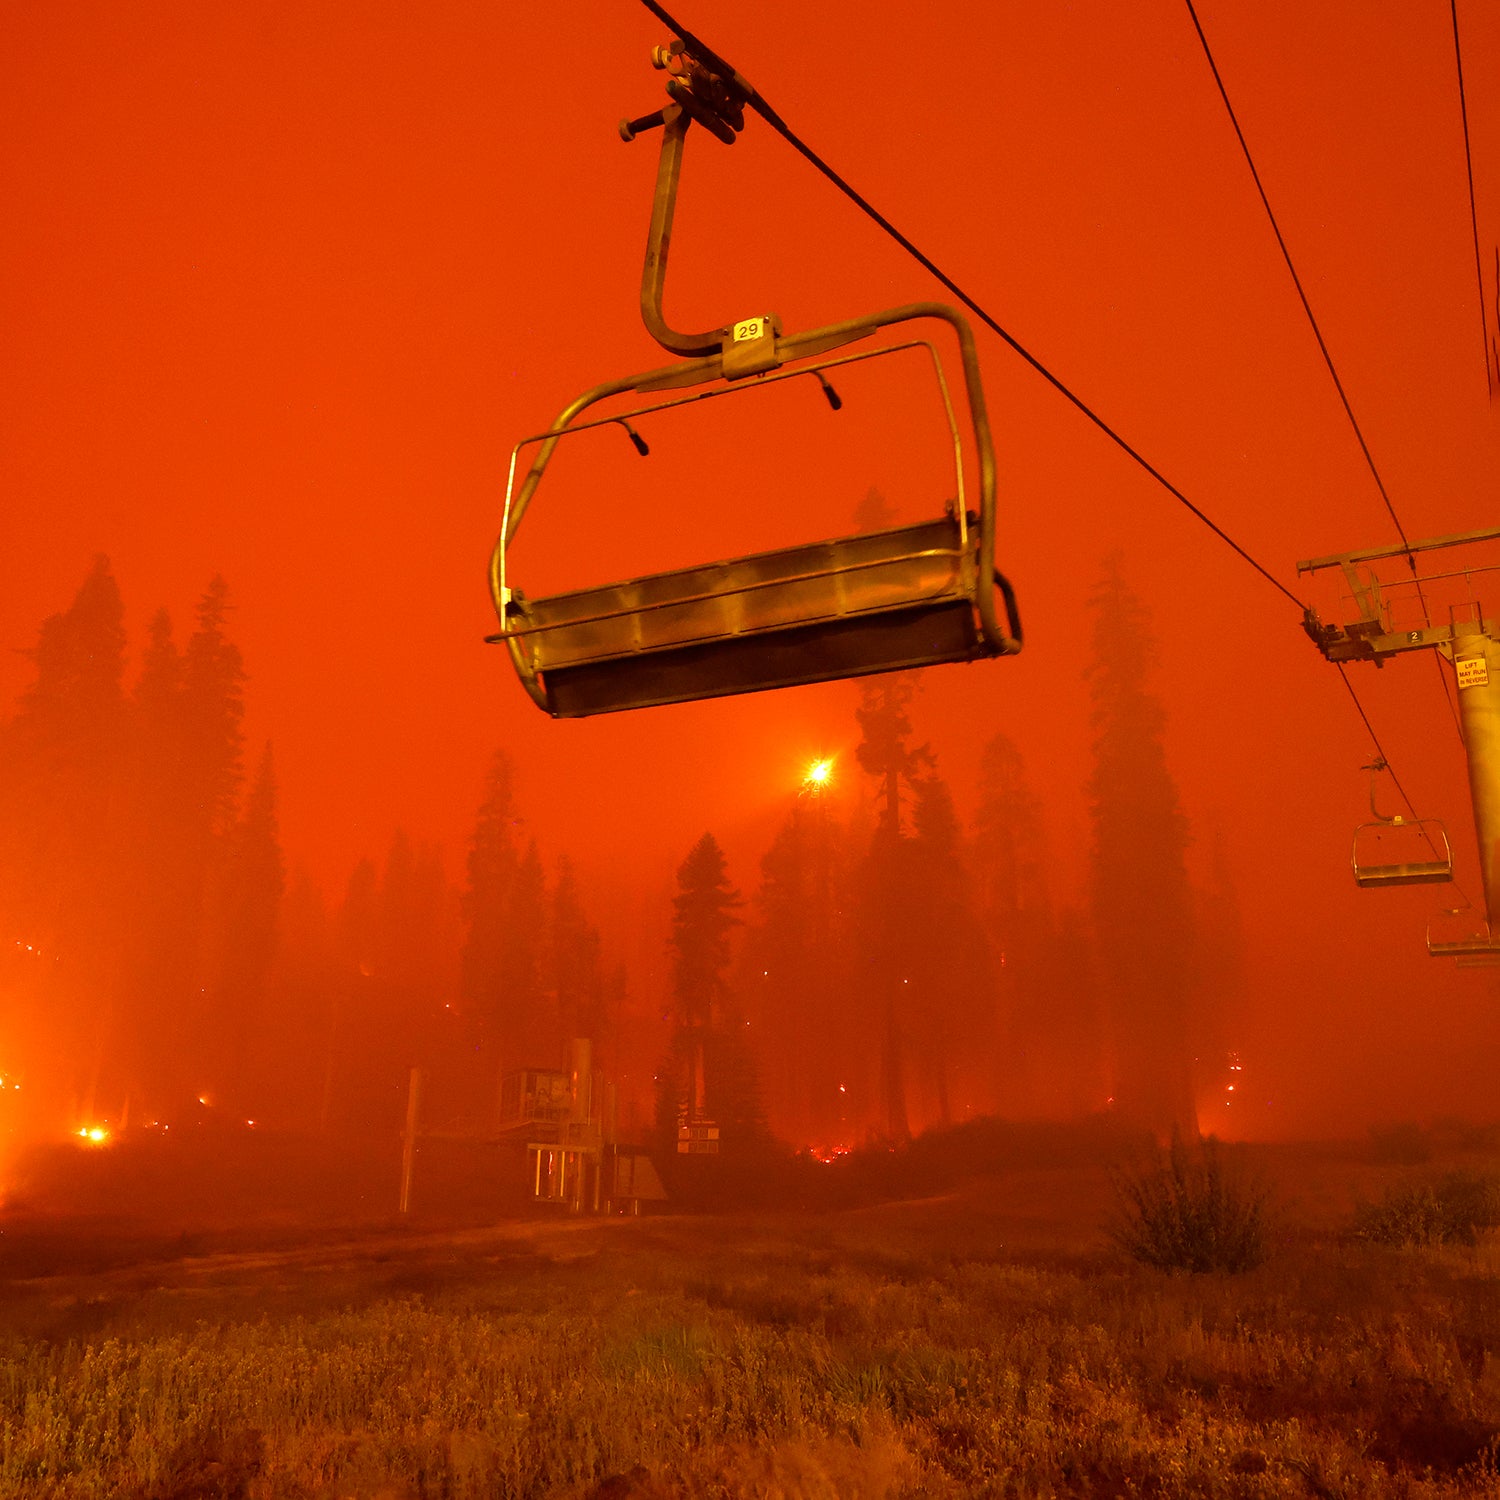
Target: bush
1449,1210
1404,1143
1184,1210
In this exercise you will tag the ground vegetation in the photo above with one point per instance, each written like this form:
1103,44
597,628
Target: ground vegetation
987,1341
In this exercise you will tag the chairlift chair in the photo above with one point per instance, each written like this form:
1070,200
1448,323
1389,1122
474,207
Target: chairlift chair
1466,936
1399,851
912,596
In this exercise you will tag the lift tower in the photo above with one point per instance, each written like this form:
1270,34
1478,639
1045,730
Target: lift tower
1470,642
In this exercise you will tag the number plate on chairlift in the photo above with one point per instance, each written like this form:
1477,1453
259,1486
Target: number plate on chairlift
750,328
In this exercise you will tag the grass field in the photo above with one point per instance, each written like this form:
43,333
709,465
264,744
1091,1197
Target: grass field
986,1341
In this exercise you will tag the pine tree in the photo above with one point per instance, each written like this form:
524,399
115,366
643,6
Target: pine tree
1009,841
886,931
358,925
492,864
248,912
529,1022
213,708
708,1073
353,1009
1140,897
702,920
307,985
574,974
63,833
161,964
410,974
946,1007
797,974
1048,1044
885,728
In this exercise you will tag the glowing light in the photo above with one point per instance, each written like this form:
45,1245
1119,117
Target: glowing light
96,1134
817,776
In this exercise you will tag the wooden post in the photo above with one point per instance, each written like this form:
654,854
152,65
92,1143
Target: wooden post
409,1137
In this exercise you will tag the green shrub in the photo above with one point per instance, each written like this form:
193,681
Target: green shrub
1449,1210
1184,1210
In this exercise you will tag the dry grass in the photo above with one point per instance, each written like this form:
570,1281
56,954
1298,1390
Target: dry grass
936,1349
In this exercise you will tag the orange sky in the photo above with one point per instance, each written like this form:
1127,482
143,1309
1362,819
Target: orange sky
280,285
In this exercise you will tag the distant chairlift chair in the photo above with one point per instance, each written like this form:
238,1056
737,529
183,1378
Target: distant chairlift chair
884,601
1397,850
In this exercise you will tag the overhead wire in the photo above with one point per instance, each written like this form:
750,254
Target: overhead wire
759,104
1491,371
1312,320
1286,255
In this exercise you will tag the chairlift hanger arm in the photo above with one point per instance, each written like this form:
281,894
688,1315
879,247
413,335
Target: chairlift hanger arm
711,93
658,243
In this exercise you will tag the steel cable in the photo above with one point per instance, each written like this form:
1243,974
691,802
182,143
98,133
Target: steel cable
761,107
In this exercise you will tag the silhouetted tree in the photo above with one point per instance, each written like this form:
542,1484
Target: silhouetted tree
1048,1049
161,967
358,924
353,1002
1140,897
416,935
703,916
1009,841
308,990
574,975
492,864
886,931
398,936
708,1073
948,1013
412,976
884,752
63,831
529,1022
213,681
248,912
797,969
212,710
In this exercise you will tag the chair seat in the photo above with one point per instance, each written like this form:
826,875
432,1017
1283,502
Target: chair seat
1413,872
878,602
